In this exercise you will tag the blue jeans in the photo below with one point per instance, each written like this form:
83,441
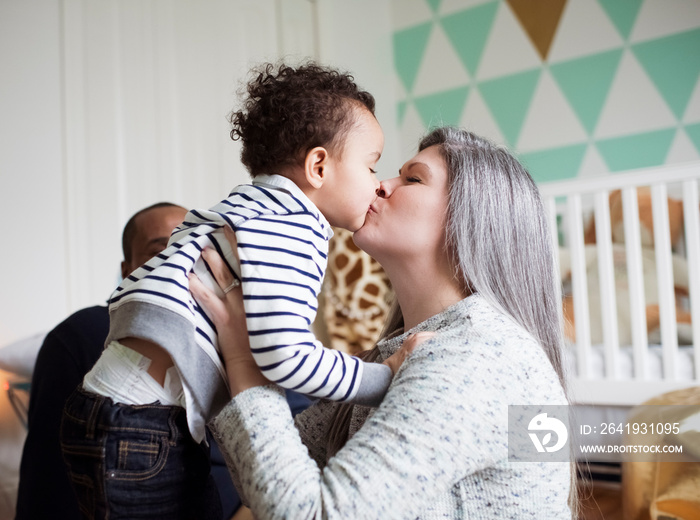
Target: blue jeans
133,462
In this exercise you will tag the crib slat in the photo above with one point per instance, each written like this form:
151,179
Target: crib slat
579,286
664,276
586,387
691,211
608,303
633,250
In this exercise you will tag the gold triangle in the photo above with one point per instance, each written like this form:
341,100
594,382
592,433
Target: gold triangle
539,18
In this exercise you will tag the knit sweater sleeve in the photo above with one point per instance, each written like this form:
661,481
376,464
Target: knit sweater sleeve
313,424
440,421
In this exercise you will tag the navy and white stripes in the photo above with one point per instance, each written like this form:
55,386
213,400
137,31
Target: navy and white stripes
282,246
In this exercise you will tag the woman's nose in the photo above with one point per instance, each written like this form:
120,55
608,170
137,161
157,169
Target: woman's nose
384,189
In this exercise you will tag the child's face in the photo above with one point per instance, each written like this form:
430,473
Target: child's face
353,183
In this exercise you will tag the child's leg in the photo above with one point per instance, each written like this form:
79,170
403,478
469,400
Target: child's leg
133,461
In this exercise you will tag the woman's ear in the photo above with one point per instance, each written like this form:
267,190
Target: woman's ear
315,166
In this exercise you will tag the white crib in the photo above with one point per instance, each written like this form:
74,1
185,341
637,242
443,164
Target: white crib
610,373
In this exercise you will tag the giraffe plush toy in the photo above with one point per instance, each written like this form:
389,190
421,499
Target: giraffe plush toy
356,295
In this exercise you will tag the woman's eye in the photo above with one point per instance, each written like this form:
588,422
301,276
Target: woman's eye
412,179
373,171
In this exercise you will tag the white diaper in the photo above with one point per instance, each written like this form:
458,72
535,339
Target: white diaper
122,374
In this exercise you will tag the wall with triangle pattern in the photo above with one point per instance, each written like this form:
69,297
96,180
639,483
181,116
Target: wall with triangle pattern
575,87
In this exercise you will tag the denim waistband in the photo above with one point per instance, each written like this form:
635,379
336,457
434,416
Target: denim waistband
99,413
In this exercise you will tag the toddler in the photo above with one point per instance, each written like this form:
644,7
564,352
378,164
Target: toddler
133,434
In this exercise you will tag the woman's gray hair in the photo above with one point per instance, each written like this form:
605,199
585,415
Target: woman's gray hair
499,244
498,237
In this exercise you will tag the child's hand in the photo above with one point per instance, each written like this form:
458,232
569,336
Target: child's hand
411,342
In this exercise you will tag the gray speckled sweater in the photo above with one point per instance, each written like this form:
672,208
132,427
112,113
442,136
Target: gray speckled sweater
435,448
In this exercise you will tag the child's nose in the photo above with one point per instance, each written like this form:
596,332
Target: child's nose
381,192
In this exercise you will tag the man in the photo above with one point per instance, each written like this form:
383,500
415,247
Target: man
68,352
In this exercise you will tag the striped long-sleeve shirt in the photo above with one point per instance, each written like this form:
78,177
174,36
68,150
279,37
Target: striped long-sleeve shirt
282,246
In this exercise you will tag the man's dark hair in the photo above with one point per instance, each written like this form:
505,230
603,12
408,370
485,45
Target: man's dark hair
130,228
288,111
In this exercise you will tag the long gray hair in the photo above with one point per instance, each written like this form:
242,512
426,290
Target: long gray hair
498,236
498,241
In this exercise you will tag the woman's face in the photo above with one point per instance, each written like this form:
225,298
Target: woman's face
407,220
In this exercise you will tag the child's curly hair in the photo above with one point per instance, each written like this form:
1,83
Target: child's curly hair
289,111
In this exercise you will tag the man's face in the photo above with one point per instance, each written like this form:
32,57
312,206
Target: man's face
153,229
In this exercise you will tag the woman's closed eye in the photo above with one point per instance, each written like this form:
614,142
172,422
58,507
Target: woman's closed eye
408,178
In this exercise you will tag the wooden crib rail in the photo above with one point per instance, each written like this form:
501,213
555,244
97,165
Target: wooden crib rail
566,197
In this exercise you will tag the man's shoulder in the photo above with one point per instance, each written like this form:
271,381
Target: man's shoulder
90,321
96,312
80,338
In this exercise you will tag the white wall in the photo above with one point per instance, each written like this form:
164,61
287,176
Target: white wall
148,86
32,210
110,106
356,35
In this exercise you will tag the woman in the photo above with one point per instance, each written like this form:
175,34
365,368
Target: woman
462,235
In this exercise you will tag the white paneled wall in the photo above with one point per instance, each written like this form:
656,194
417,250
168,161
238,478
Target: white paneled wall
33,259
148,85
125,104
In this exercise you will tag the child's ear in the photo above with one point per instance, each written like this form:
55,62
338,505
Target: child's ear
315,166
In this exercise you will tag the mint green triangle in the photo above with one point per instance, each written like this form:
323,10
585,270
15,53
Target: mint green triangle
509,98
554,164
623,14
434,5
693,132
401,111
586,82
673,63
636,151
409,48
443,108
468,30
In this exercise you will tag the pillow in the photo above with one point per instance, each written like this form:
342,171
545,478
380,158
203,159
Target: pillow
19,357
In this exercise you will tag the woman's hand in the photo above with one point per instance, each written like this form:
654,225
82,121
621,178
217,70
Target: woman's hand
228,314
411,342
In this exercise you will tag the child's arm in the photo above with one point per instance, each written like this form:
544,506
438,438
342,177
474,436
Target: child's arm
283,261
376,378
229,315
371,391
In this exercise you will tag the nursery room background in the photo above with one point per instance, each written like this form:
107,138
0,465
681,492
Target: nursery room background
110,106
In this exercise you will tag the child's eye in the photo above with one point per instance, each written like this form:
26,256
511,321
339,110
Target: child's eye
412,179
373,171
